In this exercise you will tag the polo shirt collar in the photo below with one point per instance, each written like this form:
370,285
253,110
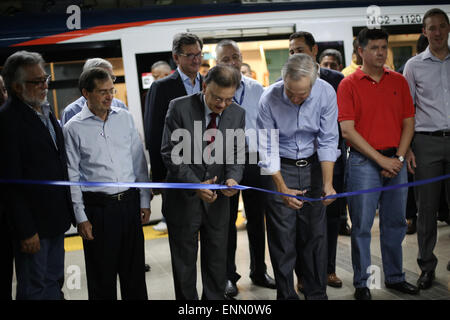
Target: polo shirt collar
361,75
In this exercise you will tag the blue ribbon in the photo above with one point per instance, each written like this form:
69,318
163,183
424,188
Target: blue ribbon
163,185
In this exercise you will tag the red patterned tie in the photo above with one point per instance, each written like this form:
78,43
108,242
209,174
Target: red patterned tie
212,125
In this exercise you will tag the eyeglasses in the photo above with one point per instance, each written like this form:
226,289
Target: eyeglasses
218,99
113,78
191,56
40,82
105,92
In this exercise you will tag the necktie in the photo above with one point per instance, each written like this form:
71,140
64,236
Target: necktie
212,125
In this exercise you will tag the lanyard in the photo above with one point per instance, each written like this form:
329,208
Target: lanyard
242,96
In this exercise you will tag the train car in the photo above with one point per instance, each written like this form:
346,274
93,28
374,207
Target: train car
134,38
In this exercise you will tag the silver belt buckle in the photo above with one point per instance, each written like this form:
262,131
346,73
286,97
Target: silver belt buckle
120,196
301,163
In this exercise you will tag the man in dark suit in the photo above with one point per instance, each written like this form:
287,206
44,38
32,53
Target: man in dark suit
33,142
304,42
6,263
206,212
187,53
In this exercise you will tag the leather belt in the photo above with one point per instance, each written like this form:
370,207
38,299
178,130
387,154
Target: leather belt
104,198
435,133
389,152
300,162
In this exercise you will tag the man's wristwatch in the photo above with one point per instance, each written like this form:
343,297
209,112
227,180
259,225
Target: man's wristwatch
400,158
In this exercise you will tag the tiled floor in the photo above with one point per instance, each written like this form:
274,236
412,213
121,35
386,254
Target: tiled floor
160,283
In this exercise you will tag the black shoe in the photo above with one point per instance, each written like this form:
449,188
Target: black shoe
231,289
448,265
403,286
147,268
362,294
229,298
426,279
264,281
412,226
345,230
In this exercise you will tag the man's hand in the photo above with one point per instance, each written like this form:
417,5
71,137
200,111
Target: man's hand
207,195
31,245
410,159
230,192
328,190
391,165
387,174
85,230
145,215
291,202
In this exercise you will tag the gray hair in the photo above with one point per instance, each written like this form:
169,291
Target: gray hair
13,69
227,42
160,63
333,53
97,63
300,65
184,39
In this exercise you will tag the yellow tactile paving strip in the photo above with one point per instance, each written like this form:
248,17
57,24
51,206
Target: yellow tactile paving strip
75,243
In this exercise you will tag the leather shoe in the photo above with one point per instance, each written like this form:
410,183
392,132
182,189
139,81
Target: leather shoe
403,286
425,280
334,281
264,281
231,289
363,294
229,298
412,226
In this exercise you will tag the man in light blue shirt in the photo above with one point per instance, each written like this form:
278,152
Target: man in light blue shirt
428,76
302,112
76,106
247,96
103,145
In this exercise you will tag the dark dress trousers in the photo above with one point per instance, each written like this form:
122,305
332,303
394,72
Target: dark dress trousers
186,214
42,209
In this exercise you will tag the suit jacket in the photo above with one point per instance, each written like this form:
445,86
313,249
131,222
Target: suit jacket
28,152
183,205
333,77
156,104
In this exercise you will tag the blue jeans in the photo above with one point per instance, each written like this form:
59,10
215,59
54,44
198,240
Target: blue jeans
39,274
365,174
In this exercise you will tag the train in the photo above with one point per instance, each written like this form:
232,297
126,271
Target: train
133,39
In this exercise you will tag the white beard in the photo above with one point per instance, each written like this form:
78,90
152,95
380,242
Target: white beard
34,102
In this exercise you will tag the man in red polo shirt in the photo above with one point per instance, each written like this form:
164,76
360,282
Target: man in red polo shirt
376,114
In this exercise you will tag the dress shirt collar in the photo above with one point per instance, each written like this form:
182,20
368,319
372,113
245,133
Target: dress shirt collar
44,107
87,113
185,78
428,55
208,111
